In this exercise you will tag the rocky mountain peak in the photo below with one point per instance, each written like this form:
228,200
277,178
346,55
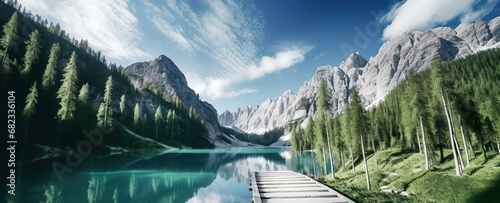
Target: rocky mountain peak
163,76
494,26
323,72
226,118
355,60
476,34
374,78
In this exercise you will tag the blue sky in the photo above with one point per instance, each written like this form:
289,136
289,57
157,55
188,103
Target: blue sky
236,53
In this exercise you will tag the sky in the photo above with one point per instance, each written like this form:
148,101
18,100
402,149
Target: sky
236,53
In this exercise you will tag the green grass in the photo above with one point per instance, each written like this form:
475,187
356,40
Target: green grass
405,171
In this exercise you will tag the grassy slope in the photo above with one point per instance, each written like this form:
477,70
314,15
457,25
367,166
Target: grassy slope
406,172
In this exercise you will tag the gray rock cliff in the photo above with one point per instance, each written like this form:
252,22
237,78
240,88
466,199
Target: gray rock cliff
374,78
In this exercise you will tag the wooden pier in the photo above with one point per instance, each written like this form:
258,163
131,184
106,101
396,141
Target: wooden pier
289,187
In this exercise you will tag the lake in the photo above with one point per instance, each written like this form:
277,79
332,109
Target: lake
188,175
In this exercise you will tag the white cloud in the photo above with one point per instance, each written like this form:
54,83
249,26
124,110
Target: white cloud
228,35
282,60
108,25
424,14
218,87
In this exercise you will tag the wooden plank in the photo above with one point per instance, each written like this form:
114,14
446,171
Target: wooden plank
255,190
280,177
303,200
295,189
277,174
284,182
296,195
290,187
333,191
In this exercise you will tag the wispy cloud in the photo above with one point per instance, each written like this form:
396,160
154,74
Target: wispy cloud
481,11
320,55
411,15
108,25
228,34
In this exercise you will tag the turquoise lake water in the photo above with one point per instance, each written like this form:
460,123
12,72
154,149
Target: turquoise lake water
212,175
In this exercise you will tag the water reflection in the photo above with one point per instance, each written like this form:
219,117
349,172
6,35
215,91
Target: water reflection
53,194
218,175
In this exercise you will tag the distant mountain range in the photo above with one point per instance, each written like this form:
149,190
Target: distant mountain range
374,78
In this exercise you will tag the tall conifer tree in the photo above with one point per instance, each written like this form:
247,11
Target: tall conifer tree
158,118
137,115
108,110
67,91
9,39
122,104
83,96
49,76
32,52
29,108
360,126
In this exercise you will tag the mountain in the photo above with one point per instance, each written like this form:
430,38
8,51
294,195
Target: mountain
169,80
164,78
374,78
296,106
152,85
415,50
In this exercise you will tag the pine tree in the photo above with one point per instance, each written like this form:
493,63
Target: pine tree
191,112
137,115
83,97
323,108
419,112
67,91
359,124
122,104
158,118
174,117
108,111
8,64
100,116
437,118
406,115
49,76
29,108
170,118
9,39
337,139
32,52
310,139
320,139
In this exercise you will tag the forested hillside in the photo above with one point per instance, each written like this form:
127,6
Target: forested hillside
453,105
65,91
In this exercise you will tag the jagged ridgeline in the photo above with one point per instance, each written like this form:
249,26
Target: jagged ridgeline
453,105
64,88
